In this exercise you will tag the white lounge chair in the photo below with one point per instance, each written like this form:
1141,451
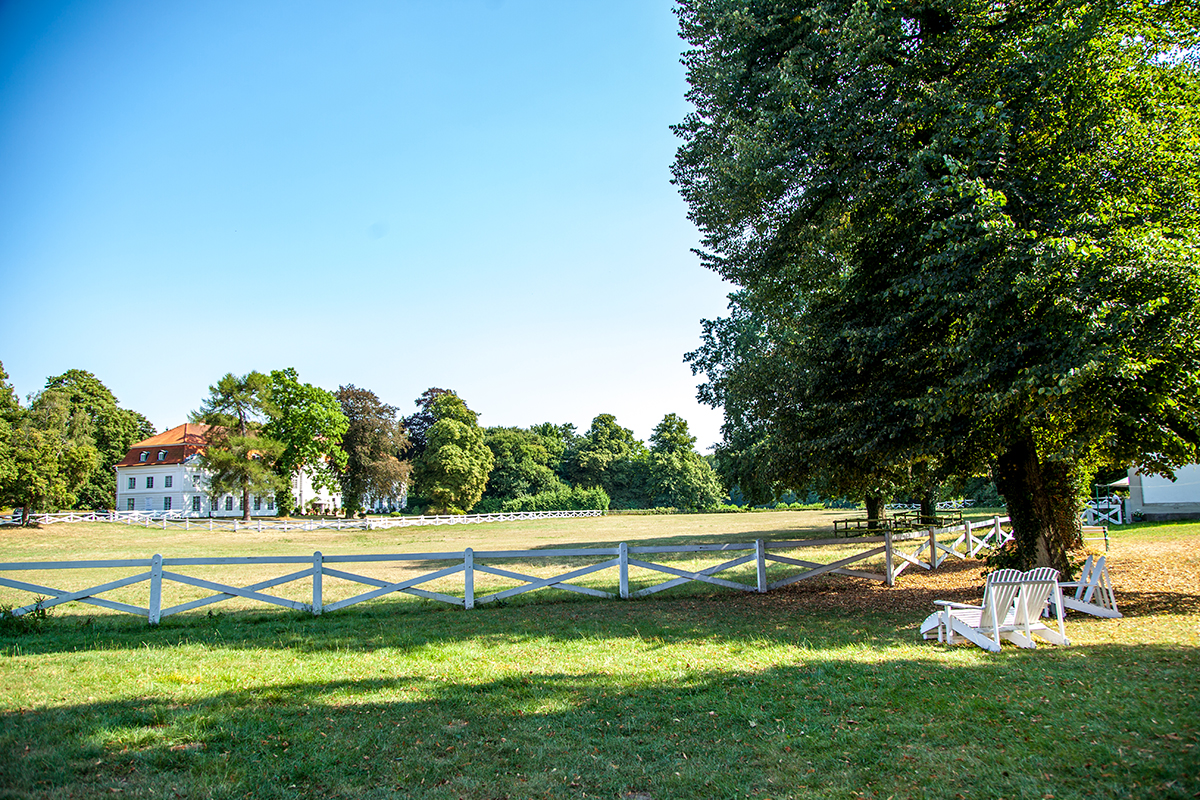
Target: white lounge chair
1039,591
1092,593
981,624
1012,607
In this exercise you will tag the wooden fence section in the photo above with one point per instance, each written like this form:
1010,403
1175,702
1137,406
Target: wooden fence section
469,563
181,521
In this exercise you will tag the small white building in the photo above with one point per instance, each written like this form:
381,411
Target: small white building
1161,499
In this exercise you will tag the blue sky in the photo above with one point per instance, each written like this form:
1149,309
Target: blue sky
458,193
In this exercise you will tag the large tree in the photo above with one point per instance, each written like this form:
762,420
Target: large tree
679,476
310,423
238,457
113,429
53,454
965,232
611,457
376,448
453,470
524,462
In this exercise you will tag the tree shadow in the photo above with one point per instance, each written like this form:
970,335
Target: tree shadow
821,725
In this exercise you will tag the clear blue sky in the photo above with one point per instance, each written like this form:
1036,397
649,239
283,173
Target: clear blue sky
458,193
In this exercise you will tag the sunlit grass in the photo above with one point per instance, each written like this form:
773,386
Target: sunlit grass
711,694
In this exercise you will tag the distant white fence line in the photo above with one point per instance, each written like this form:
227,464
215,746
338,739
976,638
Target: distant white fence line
928,555
180,520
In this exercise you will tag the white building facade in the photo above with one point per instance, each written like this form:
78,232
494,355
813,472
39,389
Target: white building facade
162,474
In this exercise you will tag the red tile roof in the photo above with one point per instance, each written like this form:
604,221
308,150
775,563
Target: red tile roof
176,444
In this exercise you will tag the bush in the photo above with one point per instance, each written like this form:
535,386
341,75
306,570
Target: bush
574,499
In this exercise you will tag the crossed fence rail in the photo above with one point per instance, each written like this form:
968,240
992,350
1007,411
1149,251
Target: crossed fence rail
158,571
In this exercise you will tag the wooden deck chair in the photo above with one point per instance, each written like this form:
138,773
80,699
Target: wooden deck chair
1039,590
1092,593
981,624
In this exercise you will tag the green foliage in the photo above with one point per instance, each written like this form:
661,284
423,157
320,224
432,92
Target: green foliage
563,499
375,444
524,463
610,457
966,235
310,423
53,455
113,431
239,457
680,477
453,470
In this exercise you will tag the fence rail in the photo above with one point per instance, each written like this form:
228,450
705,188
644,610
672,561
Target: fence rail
157,571
179,520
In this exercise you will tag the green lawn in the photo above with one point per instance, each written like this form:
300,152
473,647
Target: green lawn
711,694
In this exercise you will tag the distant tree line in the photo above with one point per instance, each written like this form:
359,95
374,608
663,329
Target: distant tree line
60,448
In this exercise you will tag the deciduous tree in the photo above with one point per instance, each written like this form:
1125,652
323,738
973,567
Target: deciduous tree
113,429
453,470
310,423
375,445
964,231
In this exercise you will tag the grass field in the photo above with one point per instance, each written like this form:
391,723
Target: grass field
821,690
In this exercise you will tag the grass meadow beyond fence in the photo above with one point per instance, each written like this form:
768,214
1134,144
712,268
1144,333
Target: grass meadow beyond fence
822,692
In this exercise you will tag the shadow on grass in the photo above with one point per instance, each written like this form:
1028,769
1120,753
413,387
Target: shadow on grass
817,727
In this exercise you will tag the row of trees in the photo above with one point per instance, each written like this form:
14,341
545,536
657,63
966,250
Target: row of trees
265,428
59,450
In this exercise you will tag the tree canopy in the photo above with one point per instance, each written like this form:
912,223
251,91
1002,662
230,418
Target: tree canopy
309,421
113,431
965,234
238,455
376,447
453,470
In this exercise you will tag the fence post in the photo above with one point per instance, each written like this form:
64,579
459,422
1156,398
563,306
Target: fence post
933,553
623,569
155,589
468,578
317,605
889,567
235,526
760,560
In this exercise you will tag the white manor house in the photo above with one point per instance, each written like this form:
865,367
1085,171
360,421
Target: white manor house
163,474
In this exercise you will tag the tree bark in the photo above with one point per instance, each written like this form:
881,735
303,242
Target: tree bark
1042,503
874,503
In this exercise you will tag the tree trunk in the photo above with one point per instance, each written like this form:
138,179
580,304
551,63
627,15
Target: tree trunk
245,504
929,505
1043,505
874,503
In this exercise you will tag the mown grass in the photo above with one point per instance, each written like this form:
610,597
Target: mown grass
713,695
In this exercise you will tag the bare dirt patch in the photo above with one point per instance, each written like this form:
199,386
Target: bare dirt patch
1148,578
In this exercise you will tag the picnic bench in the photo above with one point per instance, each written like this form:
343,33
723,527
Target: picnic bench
908,520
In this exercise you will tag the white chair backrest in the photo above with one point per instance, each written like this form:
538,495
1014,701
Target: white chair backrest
1036,587
998,596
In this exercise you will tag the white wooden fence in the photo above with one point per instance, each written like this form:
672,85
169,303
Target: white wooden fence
181,521
469,563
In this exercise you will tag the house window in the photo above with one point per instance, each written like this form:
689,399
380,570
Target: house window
150,482
196,504
167,482
162,455
270,503
133,483
242,503
143,456
129,503
257,502
228,502
166,504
